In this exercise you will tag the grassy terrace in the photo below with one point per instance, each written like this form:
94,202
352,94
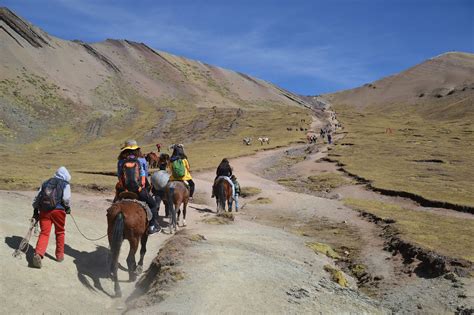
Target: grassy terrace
452,237
25,166
430,152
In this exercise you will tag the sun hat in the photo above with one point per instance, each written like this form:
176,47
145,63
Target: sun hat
130,145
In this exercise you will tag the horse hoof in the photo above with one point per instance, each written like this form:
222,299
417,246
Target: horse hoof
118,294
139,269
184,223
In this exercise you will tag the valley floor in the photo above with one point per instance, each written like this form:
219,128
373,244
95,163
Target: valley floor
260,263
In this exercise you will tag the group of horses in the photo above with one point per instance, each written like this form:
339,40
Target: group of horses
127,220
262,140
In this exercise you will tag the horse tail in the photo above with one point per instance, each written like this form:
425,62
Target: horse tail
221,196
117,237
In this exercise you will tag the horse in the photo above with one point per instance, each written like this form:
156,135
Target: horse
247,140
152,159
176,194
223,193
264,140
126,219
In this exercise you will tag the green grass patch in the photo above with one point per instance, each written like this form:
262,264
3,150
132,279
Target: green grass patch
323,249
248,191
449,236
327,181
426,154
261,201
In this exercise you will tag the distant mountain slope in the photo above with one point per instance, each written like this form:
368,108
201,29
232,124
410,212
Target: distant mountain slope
445,79
47,81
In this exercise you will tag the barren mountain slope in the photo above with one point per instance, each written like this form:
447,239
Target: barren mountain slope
443,79
44,78
70,98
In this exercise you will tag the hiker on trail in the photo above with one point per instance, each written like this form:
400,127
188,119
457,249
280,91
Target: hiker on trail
180,169
158,147
159,180
329,138
236,191
51,205
223,170
132,177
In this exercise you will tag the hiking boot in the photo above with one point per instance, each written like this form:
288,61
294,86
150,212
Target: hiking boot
37,261
154,229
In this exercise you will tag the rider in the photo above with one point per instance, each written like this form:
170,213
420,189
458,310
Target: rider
224,169
178,154
131,153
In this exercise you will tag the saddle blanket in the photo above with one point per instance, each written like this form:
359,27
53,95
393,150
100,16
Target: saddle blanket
143,204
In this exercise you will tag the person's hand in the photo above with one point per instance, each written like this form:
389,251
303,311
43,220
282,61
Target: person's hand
35,215
68,210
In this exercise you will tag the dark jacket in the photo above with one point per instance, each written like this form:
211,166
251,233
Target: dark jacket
224,170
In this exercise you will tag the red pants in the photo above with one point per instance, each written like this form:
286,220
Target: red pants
46,219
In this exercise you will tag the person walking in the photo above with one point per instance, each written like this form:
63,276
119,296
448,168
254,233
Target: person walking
50,207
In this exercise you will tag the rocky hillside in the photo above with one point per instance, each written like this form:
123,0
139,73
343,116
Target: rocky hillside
443,80
47,81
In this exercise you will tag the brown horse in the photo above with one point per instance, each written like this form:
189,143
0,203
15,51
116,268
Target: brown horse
152,159
176,194
223,193
126,220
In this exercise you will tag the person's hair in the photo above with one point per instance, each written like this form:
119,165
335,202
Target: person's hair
178,152
224,162
126,153
164,158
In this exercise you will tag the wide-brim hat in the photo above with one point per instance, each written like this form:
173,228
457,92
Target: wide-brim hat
130,145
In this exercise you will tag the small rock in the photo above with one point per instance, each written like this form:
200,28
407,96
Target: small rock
419,306
345,222
462,296
378,278
346,253
451,276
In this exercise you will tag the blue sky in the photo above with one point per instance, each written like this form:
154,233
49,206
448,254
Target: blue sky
308,47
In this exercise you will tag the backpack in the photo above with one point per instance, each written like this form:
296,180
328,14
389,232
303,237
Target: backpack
178,169
131,175
51,194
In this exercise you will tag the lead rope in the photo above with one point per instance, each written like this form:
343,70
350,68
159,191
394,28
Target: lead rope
25,242
87,238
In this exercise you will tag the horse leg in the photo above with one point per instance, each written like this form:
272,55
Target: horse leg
131,263
229,204
179,214
184,212
115,241
142,252
172,211
176,220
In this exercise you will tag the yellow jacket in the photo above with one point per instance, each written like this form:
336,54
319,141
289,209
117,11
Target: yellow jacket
187,174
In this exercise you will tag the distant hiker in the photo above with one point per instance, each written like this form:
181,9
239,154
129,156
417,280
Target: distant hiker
329,138
158,147
132,177
180,169
236,191
223,170
51,205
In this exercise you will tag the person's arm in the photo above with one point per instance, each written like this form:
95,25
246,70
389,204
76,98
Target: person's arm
35,205
67,198
186,163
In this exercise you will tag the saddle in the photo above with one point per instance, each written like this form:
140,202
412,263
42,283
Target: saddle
143,204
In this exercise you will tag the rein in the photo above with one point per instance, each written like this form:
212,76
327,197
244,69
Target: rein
87,238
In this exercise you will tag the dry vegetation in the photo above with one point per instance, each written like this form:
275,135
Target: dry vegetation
449,236
429,153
